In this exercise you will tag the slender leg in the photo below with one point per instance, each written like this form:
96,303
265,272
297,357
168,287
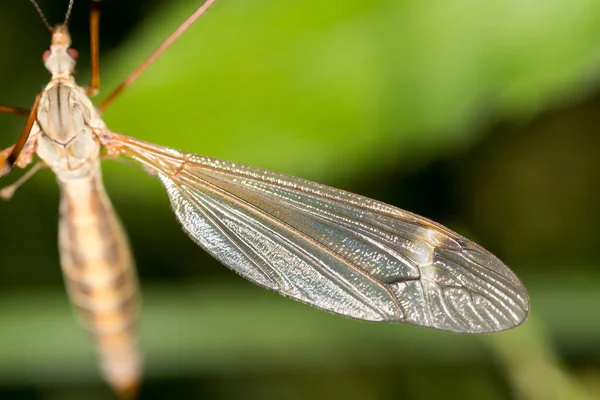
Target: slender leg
92,90
155,54
15,110
6,163
3,156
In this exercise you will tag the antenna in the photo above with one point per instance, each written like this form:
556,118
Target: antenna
42,16
68,14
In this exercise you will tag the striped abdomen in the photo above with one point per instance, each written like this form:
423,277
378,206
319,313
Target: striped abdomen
100,277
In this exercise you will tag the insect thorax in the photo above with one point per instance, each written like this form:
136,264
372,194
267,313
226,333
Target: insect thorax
66,141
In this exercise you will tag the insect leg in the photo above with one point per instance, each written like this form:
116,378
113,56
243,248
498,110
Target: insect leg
92,89
7,163
155,54
15,110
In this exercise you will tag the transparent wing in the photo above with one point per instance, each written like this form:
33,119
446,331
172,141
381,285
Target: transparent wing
332,249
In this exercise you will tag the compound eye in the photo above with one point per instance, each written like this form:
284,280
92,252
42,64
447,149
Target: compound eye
46,55
73,53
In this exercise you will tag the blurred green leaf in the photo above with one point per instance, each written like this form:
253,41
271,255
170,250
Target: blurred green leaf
347,87
335,91
236,326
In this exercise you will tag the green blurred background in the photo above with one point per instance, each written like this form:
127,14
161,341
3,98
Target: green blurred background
480,115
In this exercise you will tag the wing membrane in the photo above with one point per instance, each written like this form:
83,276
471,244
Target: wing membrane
332,249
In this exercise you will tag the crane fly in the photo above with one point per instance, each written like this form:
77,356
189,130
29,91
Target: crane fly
334,250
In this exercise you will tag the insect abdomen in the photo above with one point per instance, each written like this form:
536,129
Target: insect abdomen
101,278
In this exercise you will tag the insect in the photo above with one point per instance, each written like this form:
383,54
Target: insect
334,250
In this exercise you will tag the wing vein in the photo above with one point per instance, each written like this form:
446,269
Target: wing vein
198,181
